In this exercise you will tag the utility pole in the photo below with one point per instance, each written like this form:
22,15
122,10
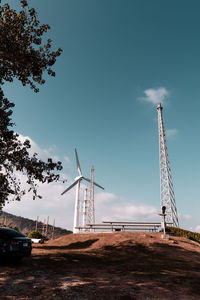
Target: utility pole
53,228
167,197
43,225
47,225
36,224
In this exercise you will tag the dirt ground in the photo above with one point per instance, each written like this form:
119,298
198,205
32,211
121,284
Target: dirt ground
121,265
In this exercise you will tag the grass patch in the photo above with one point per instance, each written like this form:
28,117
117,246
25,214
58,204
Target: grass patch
194,236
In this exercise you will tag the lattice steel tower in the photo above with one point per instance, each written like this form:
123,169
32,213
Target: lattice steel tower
167,196
91,209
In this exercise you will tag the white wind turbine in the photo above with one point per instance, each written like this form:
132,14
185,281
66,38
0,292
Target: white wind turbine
77,181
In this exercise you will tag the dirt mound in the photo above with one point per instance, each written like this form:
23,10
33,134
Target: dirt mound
95,241
96,266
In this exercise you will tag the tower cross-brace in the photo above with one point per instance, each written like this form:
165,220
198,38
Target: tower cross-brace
167,196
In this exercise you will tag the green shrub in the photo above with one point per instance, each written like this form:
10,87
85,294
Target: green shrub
35,235
13,227
195,236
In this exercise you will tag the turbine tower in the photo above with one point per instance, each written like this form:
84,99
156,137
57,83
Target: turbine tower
77,182
167,196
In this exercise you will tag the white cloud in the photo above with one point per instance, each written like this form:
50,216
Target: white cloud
42,153
197,229
155,96
108,206
52,204
67,160
171,133
186,217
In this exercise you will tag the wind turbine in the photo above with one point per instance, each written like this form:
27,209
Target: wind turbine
77,182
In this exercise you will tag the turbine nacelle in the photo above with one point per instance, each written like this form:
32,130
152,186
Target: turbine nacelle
80,177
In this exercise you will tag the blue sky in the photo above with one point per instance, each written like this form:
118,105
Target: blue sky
114,51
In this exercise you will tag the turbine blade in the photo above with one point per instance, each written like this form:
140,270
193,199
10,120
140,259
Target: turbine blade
87,179
98,185
94,183
77,163
71,186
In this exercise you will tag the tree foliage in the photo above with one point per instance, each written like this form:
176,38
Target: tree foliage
22,54
35,235
26,55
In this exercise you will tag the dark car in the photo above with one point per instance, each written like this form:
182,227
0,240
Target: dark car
14,243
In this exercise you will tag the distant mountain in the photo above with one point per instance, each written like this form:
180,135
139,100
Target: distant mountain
26,225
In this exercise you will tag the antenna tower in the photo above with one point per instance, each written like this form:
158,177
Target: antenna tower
91,212
167,196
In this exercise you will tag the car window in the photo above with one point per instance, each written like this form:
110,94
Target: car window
6,233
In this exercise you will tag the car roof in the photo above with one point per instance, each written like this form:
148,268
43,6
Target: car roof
11,231
7,229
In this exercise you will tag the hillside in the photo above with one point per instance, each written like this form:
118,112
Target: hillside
26,225
108,266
